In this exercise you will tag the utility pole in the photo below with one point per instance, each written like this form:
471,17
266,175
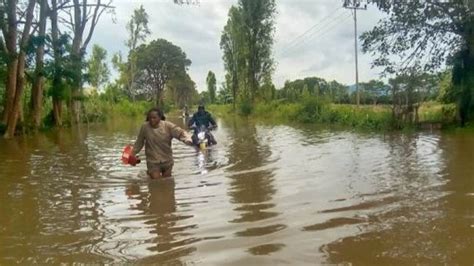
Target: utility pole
355,5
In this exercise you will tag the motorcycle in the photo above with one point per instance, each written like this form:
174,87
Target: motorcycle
202,137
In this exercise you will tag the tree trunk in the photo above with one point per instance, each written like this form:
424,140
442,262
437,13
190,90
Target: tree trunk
38,83
12,64
159,99
74,102
57,111
57,100
132,76
20,85
10,88
13,115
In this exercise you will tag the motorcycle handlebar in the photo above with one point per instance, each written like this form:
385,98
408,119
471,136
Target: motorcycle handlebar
209,128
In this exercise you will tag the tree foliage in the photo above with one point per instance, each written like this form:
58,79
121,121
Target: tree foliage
420,36
246,42
314,86
182,91
98,71
157,63
138,30
211,86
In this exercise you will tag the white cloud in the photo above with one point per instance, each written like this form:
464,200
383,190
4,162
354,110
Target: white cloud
327,51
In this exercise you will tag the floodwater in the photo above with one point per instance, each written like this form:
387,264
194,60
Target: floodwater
266,194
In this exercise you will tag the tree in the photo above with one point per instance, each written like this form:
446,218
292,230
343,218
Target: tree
157,63
211,86
446,91
138,30
231,44
36,101
268,90
83,18
339,92
404,98
422,36
14,46
123,79
98,71
224,94
181,90
258,18
246,42
374,89
59,71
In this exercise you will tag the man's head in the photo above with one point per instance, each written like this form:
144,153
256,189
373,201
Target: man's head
154,116
201,108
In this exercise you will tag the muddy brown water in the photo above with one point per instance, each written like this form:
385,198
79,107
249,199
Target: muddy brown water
266,194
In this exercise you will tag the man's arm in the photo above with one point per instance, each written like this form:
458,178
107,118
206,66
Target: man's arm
191,121
179,133
211,120
139,142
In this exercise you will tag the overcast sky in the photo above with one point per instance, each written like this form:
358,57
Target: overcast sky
312,37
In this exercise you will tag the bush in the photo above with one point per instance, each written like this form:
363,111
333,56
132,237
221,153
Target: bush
311,110
99,109
245,108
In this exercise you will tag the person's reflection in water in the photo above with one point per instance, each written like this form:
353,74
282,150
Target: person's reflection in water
160,201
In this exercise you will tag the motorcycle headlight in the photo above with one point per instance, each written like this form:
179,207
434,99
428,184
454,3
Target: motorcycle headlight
201,135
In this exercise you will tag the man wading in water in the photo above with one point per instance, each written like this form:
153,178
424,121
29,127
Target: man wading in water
156,134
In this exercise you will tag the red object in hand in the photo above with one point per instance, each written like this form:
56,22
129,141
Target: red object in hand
128,157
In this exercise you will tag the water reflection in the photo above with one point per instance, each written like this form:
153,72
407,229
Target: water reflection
417,199
251,188
171,239
266,194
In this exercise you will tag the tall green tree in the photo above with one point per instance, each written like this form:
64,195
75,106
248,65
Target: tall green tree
83,18
423,35
14,44
258,25
59,71
247,41
181,90
157,63
97,69
36,101
231,44
138,30
211,86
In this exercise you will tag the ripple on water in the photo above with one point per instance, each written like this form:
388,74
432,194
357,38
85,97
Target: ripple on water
263,195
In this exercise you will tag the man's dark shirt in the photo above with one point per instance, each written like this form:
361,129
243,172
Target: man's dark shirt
202,118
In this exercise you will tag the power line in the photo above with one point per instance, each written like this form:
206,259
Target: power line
311,28
319,37
316,28
320,32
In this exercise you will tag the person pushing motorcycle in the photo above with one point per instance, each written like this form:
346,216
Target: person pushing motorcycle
203,118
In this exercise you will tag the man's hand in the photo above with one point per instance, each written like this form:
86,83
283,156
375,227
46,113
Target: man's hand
188,141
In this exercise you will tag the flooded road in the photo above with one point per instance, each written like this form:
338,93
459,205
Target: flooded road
266,194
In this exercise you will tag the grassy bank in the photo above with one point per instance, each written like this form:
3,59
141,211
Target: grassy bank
98,110
316,111
94,110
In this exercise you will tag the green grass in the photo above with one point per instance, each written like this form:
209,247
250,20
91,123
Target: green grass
312,110
98,110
